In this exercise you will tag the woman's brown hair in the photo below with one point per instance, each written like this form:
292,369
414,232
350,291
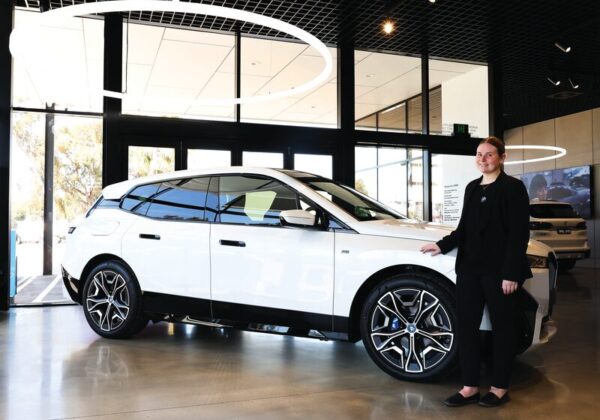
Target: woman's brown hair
496,142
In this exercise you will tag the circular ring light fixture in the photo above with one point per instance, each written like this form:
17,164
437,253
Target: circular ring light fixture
561,152
200,9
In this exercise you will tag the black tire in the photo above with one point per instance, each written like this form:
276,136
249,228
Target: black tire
389,340
112,301
565,265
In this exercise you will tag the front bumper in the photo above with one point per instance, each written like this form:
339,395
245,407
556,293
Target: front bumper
72,285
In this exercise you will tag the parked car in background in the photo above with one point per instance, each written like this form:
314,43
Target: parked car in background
560,227
280,251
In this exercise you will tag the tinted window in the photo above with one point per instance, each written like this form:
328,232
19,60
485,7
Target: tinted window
180,200
552,211
254,200
138,199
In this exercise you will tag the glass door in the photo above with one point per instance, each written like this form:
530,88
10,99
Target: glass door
56,176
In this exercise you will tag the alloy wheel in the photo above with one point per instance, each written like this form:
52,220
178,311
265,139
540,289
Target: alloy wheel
107,300
411,329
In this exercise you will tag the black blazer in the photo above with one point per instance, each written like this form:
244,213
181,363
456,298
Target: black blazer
504,226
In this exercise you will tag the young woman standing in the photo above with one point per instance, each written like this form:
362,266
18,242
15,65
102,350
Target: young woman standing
491,264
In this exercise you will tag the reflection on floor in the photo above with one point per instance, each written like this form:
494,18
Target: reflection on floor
37,290
54,366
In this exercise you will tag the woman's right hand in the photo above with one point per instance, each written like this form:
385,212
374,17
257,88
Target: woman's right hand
433,248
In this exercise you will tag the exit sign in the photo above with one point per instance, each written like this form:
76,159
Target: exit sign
461,130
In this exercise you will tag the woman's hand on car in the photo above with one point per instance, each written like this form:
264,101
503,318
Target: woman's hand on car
433,248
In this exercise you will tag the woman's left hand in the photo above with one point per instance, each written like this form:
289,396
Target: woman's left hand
509,287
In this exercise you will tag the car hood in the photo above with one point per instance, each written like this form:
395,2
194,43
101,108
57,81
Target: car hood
426,231
404,228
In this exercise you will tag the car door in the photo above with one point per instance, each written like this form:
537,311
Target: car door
262,271
168,246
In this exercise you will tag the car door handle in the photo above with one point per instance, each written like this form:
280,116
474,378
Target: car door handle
149,236
224,242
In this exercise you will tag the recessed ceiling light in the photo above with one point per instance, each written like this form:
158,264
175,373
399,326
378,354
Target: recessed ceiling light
388,26
370,75
431,1
255,63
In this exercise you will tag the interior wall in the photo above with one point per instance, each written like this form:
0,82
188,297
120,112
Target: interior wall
578,133
465,99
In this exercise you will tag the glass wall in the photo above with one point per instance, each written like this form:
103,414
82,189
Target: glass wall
27,191
77,174
263,160
167,70
76,185
415,184
203,158
393,176
143,161
463,91
60,64
382,83
365,166
272,66
314,164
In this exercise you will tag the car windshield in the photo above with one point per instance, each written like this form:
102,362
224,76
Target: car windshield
356,204
552,211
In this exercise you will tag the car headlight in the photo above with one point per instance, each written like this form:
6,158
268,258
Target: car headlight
537,262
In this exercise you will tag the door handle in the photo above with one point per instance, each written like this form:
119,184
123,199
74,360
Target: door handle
149,236
224,242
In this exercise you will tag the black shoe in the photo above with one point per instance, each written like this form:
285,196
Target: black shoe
457,400
491,400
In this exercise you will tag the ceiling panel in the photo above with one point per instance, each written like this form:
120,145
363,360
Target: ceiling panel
518,35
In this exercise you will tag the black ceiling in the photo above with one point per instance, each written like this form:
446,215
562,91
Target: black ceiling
519,34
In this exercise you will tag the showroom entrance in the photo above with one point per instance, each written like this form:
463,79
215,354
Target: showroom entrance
56,177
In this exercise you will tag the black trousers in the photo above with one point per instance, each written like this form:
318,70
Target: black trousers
473,292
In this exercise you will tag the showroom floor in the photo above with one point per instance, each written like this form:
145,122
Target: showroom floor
54,366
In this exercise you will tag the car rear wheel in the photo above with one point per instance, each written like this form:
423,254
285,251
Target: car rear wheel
408,326
112,301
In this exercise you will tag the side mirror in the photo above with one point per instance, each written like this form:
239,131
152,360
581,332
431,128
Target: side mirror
298,218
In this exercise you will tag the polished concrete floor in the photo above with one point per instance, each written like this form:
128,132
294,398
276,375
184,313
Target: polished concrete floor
54,366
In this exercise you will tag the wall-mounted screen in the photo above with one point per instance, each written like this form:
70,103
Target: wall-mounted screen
569,185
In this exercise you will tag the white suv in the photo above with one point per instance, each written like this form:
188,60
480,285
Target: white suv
561,228
278,251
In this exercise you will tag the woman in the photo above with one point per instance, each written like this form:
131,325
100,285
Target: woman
491,264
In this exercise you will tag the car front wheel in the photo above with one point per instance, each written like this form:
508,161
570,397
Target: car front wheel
112,301
408,326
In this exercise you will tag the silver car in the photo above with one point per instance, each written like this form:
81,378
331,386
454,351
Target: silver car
562,229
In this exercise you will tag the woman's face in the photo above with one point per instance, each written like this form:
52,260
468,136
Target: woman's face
487,159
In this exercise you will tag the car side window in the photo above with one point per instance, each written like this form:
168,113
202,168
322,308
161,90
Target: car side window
180,200
212,200
138,200
254,200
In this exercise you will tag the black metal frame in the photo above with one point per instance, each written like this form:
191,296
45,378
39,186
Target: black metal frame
6,24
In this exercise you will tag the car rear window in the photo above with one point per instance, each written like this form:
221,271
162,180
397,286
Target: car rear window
552,211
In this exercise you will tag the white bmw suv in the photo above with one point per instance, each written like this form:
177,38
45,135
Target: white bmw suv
279,251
